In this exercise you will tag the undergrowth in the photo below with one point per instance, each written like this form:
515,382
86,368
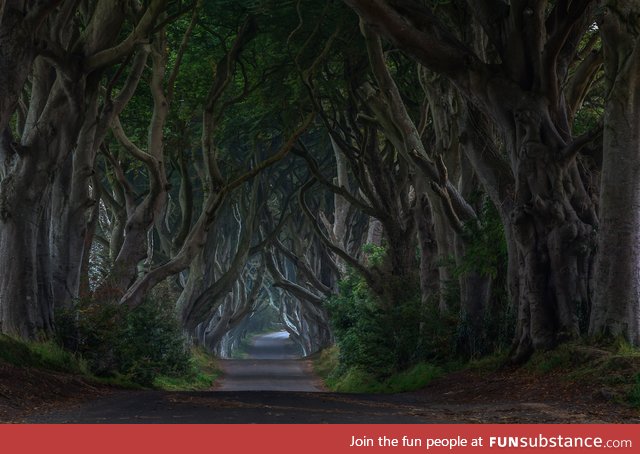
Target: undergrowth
201,376
138,344
357,380
612,366
201,373
41,355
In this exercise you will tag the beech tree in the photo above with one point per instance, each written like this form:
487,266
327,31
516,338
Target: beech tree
552,218
616,305
77,44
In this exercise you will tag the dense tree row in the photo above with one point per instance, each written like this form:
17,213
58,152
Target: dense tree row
465,160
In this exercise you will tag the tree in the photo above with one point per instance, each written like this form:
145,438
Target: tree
616,305
64,85
551,217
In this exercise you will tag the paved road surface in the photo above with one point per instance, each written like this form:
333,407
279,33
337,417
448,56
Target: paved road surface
270,386
278,382
273,363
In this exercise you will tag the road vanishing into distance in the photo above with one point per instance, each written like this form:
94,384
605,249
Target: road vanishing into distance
273,363
274,385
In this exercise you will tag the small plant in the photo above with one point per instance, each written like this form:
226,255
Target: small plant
375,337
375,254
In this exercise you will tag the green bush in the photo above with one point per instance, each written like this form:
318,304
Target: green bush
201,376
377,335
139,344
485,255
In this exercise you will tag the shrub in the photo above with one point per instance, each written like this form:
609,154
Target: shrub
139,344
376,335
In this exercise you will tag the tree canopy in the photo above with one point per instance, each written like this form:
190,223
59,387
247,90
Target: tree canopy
409,179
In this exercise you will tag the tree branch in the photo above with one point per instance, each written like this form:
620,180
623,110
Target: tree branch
335,249
139,34
416,30
313,166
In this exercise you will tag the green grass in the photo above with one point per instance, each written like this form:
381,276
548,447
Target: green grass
355,380
326,361
51,357
40,355
358,381
204,372
614,366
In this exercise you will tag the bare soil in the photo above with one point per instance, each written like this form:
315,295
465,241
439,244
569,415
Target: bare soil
25,392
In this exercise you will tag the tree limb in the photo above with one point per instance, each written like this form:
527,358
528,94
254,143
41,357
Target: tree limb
139,34
335,249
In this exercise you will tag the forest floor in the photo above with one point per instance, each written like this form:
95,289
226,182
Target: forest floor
473,395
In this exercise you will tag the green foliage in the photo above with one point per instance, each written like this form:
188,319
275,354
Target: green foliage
356,380
485,255
203,372
485,247
375,254
152,344
40,355
391,330
139,344
416,377
370,335
326,361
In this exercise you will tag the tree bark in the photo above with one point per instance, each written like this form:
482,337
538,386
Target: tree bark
616,305
553,218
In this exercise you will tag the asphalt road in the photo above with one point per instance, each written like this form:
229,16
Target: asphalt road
272,386
273,363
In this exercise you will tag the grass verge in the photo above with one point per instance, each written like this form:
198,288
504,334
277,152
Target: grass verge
356,380
41,355
613,367
49,356
204,372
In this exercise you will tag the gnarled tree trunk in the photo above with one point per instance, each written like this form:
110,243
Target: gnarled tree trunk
616,305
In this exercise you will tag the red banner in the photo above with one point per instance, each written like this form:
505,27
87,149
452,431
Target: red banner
310,439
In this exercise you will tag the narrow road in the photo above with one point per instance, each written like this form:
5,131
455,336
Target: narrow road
273,363
272,386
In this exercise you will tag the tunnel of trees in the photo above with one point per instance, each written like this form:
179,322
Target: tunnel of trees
409,179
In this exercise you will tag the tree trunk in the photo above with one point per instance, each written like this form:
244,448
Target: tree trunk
17,52
429,276
24,192
552,227
21,314
616,305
